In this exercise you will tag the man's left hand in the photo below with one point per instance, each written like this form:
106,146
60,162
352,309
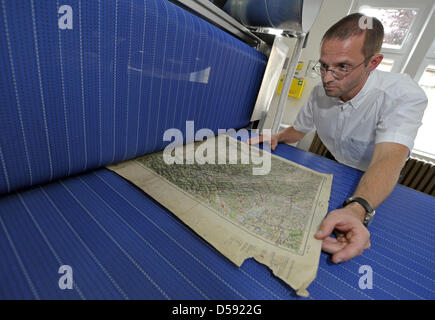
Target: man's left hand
352,237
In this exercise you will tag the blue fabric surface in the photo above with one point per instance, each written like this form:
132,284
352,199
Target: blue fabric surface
104,91
402,253
121,244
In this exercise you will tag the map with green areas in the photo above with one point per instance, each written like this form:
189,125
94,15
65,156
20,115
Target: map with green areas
277,207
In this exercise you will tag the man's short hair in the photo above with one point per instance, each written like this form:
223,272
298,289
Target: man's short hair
354,25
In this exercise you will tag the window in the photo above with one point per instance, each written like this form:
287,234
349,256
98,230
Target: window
403,21
396,21
386,65
424,146
424,142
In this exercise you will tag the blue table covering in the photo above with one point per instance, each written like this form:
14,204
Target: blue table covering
121,244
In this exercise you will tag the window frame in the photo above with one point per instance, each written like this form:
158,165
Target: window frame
400,55
428,60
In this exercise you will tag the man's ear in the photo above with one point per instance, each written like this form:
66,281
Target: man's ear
375,61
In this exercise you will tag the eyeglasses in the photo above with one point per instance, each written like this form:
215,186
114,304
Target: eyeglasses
339,72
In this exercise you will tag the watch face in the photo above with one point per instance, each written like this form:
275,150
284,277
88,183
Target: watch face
369,218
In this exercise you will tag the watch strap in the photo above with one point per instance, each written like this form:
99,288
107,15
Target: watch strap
369,210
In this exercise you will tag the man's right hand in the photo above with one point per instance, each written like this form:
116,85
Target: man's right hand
271,139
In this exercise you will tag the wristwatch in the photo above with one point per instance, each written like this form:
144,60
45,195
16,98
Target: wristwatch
370,213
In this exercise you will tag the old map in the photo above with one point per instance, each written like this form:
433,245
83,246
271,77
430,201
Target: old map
270,217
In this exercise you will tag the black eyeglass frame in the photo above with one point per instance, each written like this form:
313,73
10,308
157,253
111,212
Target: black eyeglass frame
323,71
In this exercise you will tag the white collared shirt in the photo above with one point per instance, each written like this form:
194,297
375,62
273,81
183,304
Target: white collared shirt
389,108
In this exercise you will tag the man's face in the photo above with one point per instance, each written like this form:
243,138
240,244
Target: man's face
344,53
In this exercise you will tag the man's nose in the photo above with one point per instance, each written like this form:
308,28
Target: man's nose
328,76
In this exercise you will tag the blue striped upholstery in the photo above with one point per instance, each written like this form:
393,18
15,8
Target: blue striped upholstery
105,91
74,100
122,244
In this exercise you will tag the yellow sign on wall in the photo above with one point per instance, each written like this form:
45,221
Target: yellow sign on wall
295,89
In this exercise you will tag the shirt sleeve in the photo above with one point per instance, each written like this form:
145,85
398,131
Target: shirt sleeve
401,118
304,121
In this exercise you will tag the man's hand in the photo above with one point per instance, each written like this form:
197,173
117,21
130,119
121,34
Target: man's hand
271,139
352,236
289,135
375,186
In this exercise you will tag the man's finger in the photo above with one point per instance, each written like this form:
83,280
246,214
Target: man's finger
356,245
327,226
255,140
273,146
331,245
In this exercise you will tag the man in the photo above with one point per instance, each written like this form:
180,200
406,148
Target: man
368,119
